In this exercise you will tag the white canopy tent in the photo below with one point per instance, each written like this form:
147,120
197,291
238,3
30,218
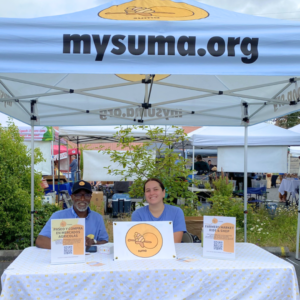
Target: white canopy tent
213,67
102,134
93,160
295,151
263,134
268,146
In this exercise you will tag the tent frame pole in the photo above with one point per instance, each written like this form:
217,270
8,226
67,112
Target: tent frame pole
58,174
298,231
52,164
32,180
68,162
193,162
245,180
78,167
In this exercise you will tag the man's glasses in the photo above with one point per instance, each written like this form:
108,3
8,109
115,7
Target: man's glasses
85,196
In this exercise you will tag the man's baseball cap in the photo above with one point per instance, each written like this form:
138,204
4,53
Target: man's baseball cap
81,185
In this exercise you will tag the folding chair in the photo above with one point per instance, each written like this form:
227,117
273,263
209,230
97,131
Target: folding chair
187,238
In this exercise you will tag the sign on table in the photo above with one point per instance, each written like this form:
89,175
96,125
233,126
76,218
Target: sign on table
67,241
135,240
219,237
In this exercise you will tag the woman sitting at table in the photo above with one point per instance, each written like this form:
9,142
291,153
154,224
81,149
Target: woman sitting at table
158,211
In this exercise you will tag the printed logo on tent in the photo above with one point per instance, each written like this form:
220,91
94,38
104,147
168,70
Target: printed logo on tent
155,10
140,77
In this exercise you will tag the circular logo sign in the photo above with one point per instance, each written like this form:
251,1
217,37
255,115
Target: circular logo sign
154,10
143,240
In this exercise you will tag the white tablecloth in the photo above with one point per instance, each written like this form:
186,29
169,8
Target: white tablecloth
254,274
289,185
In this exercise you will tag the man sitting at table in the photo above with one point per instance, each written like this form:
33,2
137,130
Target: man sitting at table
95,231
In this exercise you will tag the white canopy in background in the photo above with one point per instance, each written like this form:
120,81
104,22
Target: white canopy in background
295,151
263,134
102,134
267,150
212,66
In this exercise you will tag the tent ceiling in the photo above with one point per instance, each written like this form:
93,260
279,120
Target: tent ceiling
175,100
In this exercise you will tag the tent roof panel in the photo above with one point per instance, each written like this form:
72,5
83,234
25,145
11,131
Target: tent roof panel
258,135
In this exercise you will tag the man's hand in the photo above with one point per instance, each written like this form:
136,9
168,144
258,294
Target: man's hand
88,241
43,242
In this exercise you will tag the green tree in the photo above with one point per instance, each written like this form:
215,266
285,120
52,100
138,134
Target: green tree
288,121
137,161
15,186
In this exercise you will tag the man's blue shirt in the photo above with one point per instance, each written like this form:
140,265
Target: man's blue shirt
94,223
74,165
170,213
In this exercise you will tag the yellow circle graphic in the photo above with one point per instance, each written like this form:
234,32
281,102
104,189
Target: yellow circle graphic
140,77
153,10
143,240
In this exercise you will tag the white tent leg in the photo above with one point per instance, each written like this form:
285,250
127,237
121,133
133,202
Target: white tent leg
68,163
245,182
298,231
32,180
193,166
52,163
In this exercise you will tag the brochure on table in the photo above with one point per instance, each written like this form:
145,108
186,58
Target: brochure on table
67,241
143,240
219,237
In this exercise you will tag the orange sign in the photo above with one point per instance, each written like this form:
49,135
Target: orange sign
219,237
143,240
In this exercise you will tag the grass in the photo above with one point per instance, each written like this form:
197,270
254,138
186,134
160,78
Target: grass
268,230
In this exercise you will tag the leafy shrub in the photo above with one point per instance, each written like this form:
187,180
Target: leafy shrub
15,184
136,161
22,239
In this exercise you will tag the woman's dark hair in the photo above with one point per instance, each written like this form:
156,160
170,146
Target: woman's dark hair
199,157
157,180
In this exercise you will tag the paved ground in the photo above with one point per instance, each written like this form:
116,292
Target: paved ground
296,264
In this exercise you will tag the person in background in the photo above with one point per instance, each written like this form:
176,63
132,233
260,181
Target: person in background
95,232
201,166
158,211
56,168
210,165
73,168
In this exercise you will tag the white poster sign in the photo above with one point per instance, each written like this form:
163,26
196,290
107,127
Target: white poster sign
143,240
93,161
67,241
261,159
219,237
45,166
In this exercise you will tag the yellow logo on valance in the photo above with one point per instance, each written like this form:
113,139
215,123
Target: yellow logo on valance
153,10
